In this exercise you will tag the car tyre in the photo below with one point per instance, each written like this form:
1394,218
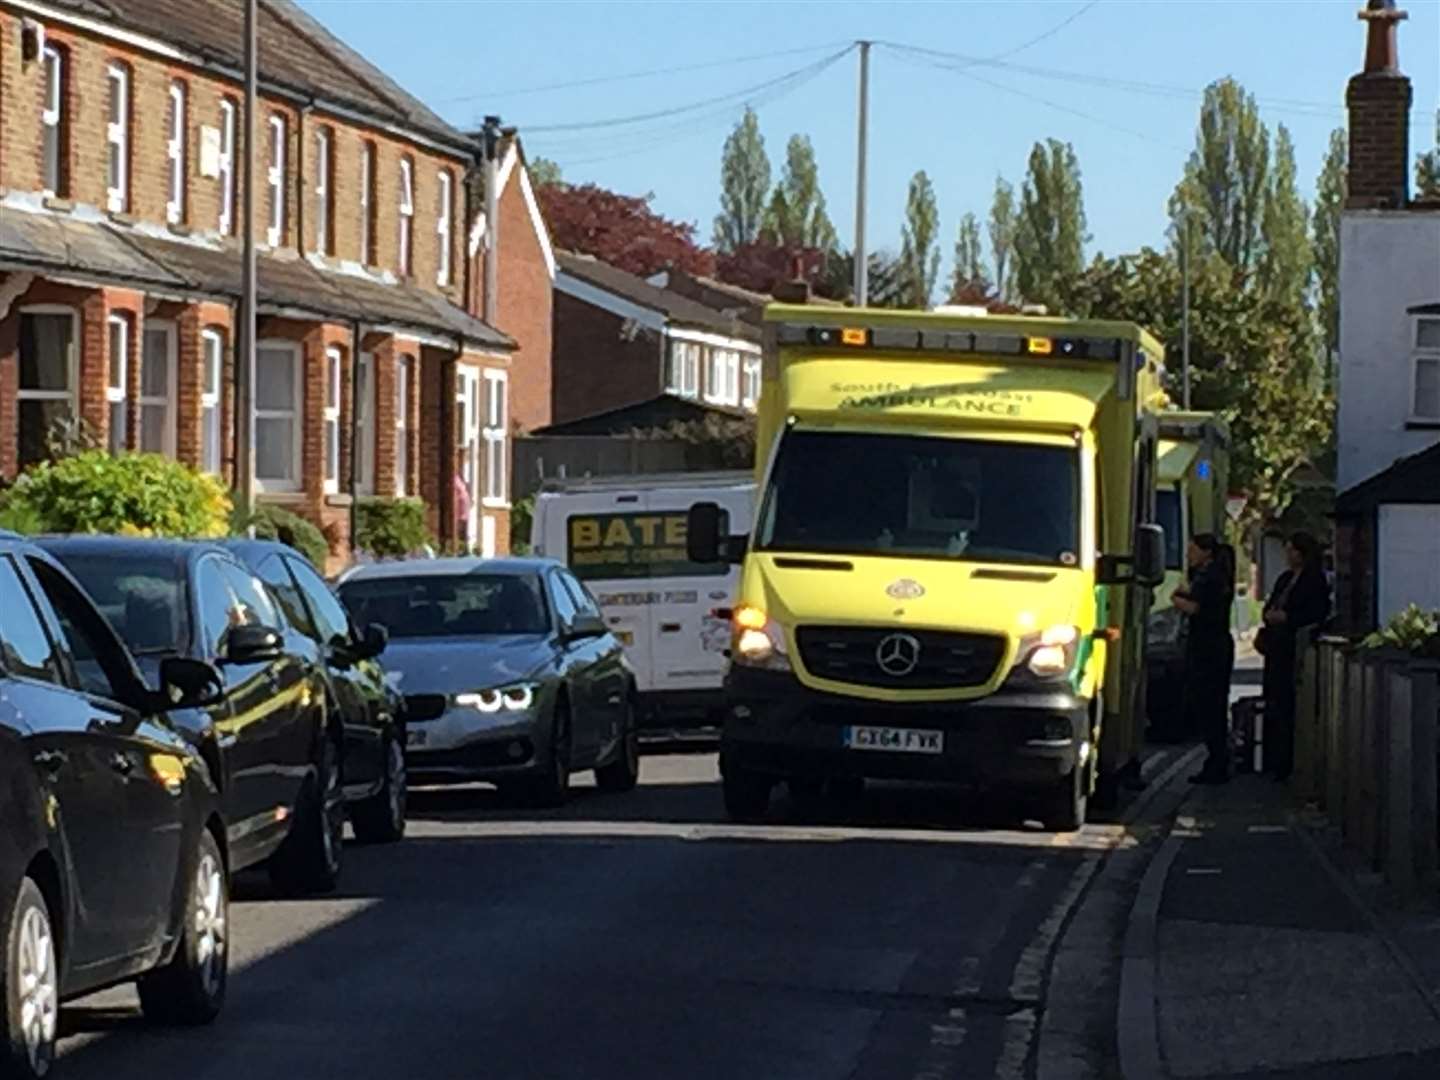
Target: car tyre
623,773
551,788
309,860
380,819
190,990
29,988
747,793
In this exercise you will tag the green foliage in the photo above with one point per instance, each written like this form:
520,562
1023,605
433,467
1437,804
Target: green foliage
1427,169
1002,228
920,242
744,185
1413,630
130,495
272,522
1226,178
796,217
969,274
391,528
68,436
1050,231
544,172
1286,262
1330,192
522,519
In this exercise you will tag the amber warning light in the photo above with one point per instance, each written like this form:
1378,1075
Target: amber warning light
1039,346
853,335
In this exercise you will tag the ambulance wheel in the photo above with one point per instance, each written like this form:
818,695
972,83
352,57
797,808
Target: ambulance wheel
747,793
1062,806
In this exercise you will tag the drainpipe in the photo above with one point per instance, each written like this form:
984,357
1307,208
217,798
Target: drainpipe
355,427
492,224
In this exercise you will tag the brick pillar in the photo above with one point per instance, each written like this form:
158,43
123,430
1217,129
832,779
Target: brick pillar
189,376
94,366
132,380
383,358
312,421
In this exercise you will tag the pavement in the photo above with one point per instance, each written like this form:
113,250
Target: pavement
1252,952
907,935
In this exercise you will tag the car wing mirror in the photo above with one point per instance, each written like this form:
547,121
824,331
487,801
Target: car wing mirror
585,626
253,644
189,684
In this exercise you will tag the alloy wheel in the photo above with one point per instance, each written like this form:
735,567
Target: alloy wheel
39,989
210,918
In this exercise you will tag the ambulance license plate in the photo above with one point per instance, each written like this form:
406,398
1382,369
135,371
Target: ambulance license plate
899,740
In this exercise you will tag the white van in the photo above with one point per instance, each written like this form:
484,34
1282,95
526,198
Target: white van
625,538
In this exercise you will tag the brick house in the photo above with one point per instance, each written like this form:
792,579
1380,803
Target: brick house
620,340
1387,536
121,131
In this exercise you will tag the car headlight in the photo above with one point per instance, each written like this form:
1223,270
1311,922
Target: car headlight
759,641
1047,655
515,698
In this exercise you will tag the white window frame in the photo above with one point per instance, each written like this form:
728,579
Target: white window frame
443,226
295,414
750,381
407,217
683,371
166,400
324,148
52,120
228,114
367,200
117,138
404,373
364,409
275,180
495,433
330,432
70,395
212,363
118,395
1426,354
175,155
722,376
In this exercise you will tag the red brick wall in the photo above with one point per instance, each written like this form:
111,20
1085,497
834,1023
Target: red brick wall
595,369
1379,160
523,308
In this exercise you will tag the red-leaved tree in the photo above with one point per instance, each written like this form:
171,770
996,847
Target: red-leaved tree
761,265
621,230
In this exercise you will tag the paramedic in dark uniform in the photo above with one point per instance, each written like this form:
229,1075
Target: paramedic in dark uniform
1210,654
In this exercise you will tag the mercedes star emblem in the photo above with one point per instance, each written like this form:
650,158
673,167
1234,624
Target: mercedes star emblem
898,655
905,589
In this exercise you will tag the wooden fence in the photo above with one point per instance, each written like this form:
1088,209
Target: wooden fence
1366,746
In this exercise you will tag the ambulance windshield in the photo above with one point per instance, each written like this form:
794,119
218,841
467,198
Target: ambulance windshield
918,496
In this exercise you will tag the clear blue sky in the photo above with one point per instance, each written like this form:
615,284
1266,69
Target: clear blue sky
466,58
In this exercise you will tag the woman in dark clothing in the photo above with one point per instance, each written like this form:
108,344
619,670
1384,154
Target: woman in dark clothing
1300,599
1210,652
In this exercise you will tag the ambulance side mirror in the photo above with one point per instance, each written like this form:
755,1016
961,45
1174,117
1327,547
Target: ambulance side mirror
706,536
1150,555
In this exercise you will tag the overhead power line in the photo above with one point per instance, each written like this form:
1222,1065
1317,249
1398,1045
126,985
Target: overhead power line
1048,34
600,80
799,74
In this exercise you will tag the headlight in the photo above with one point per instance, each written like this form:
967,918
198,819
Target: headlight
1049,654
759,641
516,698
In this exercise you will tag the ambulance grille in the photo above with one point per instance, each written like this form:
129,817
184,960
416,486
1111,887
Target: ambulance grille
942,660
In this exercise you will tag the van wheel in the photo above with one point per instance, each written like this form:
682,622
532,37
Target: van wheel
1062,806
309,859
30,988
623,773
191,989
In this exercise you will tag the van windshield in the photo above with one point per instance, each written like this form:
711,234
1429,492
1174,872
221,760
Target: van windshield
923,497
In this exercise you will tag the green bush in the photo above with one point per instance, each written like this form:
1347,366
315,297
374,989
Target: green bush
130,495
522,517
391,528
276,523
1413,630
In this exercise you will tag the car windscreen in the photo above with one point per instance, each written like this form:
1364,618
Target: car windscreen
1167,514
923,497
142,596
448,605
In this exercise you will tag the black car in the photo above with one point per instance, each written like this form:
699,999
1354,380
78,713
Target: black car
371,710
112,839
270,737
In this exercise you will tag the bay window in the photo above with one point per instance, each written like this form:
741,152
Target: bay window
277,416
46,396
157,389
750,384
682,369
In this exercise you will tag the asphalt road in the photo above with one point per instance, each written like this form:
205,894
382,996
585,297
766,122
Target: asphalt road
905,935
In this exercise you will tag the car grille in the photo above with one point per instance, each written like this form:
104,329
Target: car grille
944,660
422,707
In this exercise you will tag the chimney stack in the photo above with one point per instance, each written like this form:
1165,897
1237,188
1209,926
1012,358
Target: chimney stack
1379,101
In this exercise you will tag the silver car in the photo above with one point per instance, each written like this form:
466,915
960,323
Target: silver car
508,672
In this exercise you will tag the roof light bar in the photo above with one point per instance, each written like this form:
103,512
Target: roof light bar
901,339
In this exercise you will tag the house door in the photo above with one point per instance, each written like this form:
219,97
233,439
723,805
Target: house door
472,449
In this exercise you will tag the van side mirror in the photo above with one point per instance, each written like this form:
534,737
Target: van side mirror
703,538
1150,555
